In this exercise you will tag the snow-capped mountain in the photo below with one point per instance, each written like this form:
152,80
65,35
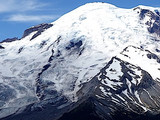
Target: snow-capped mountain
97,56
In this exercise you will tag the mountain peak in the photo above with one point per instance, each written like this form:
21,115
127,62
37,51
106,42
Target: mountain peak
106,55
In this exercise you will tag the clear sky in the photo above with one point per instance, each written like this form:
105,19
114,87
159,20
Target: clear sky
18,15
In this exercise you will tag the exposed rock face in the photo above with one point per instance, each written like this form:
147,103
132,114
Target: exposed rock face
89,110
38,29
9,40
153,19
1,47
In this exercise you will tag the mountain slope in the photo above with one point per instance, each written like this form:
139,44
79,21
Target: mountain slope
98,50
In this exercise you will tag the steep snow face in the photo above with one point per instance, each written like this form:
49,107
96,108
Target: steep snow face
145,59
68,53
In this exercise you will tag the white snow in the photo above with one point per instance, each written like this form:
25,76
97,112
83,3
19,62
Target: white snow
114,70
103,90
139,58
137,96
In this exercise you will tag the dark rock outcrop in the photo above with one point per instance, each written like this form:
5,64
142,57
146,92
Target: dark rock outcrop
39,28
10,40
85,111
88,110
154,22
1,47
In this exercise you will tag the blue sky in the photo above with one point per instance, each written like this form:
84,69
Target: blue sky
18,15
